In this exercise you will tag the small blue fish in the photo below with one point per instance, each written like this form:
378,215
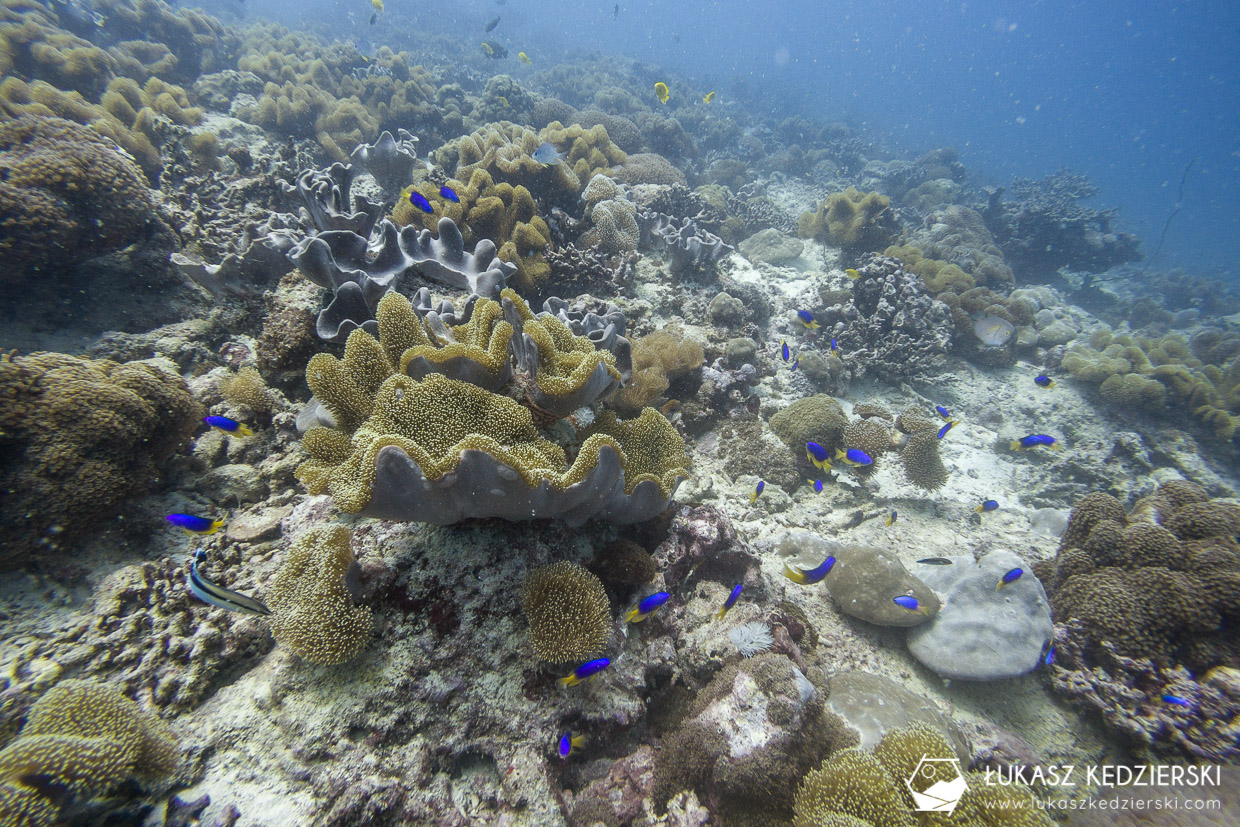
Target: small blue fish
854,457
943,412
570,743
943,431
807,319
795,363
1010,576
227,425
910,603
730,602
818,455
817,486
987,505
783,350
834,346
418,200
1177,700
935,561
1049,659
892,519
446,192
585,672
1044,381
546,154
192,524
757,491
1034,440
216,595
647,607
806,578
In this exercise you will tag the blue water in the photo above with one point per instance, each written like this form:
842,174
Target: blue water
1127,93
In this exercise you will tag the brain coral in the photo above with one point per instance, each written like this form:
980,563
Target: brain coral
568,611
441,450
312,609
79,438
81,740
66,195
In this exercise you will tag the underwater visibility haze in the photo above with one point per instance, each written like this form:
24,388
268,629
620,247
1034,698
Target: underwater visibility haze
550,412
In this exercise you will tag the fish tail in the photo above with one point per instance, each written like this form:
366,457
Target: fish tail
719,615
1015,445
244,431
571,680
794,575
634,616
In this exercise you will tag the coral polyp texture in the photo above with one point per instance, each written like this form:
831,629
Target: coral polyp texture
311,598
858,222
81,740
440,450
66,195
81,437
1143,603
568,611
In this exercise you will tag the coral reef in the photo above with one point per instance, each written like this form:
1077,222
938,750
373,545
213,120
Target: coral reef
389,160
855,788
1164,375
890,327
312,598
747,740
81,740
1137,603
858,222
658,359
81,438
66,195
687,248
1043,227
414,450
568,611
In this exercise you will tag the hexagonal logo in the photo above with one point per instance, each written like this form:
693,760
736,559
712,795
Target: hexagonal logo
937,785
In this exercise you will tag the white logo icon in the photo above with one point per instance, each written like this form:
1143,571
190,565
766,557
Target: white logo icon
937,785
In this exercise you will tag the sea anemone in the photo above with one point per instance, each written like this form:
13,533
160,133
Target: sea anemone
751,638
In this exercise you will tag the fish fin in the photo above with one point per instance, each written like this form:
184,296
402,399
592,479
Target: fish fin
244,431
1015,445
719,615
794,575
571,680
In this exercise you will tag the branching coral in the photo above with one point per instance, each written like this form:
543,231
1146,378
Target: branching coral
568,611
79,439
311,598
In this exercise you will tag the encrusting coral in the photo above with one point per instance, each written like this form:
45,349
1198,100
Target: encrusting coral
411,450
80,438
658,358
311,598
568,611
81,740
66,195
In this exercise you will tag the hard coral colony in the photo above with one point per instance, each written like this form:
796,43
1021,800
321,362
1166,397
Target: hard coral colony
396,431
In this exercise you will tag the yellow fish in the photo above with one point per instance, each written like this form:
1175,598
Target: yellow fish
709,97
503,100
377,4
852,274
660,89
524,58
486,47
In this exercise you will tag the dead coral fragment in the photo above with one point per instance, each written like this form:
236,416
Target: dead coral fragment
568,611
312,609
